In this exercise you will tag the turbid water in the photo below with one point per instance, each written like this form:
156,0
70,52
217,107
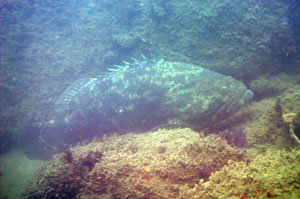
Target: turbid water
16,170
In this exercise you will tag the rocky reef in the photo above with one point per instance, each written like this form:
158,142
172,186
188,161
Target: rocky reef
131,166
274,174
184,164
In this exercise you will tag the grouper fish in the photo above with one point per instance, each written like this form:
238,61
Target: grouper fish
143,94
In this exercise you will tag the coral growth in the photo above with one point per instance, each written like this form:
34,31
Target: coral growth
236,137
63,178
263,117
289,119
131,166
184,164
275,174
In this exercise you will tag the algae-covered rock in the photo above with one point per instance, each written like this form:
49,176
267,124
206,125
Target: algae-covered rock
131,166
275,174
262,119
64,176
178,163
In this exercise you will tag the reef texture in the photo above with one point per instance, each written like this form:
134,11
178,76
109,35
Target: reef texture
155,165
274,174
166,164
263,119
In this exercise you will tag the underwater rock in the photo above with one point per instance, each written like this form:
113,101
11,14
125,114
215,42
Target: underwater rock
144,94
272,174
132,165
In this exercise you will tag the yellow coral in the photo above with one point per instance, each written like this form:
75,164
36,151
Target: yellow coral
289,117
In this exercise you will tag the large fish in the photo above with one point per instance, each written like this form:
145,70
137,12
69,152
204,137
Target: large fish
145,94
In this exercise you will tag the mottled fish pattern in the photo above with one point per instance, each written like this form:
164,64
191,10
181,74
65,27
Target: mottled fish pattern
147,93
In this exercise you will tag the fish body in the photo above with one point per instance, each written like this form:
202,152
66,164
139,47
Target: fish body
144,94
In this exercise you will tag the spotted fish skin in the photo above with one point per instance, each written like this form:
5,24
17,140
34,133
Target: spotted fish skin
141,95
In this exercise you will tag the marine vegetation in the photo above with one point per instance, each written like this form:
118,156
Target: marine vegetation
184,163
289,119
64,176
236,137
275,174
131,166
